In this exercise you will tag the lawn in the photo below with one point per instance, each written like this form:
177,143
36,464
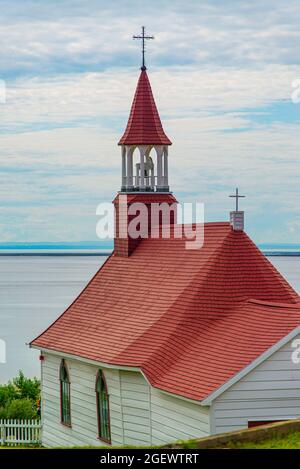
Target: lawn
290,441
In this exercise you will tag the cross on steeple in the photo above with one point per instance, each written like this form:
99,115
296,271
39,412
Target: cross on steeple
237,197
143,37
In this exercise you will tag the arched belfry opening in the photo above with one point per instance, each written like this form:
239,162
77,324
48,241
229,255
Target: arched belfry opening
145,168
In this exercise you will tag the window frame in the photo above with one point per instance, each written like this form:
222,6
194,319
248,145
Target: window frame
100,376
61,382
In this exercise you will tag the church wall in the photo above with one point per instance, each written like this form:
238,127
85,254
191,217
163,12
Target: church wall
139,414
135,398
269,392
175,419
142,415
83,404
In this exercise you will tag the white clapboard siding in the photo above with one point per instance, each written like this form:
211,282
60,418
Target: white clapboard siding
84,429
269,392
139,414
173,418
135,399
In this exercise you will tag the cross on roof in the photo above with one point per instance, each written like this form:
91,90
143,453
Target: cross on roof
237,197
143,37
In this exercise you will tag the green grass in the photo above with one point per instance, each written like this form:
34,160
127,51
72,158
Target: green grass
290,441
23,446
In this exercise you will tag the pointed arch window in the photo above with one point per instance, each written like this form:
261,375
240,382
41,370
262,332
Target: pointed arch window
103,408
65,401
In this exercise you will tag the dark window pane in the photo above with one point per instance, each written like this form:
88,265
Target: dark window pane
65,395
103,408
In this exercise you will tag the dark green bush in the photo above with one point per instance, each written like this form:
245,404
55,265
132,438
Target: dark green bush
8,392
19,409
19,398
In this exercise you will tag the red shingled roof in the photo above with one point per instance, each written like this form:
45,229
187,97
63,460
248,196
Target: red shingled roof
190,319
144,126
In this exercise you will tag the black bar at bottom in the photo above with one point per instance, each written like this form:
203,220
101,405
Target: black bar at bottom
146,457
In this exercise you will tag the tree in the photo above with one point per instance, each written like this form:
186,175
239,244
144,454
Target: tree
19,409
27,387
19,398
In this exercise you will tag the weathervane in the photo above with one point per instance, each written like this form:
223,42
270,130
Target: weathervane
143,37
237,197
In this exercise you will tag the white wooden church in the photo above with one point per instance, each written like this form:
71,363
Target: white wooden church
166,343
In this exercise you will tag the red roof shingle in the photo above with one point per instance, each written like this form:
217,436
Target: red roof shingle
144,125
190,319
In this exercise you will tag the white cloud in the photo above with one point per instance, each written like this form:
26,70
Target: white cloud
85,33
69,90
180,91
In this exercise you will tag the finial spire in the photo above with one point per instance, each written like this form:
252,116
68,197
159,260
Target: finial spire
143,37
237,197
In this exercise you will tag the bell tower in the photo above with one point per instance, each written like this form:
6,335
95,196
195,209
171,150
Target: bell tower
144,145
144,152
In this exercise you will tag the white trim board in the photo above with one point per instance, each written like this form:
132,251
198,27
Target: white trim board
85,360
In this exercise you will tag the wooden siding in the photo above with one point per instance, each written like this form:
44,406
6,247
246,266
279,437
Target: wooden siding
173,418
84,428
269,392
139,414
135,393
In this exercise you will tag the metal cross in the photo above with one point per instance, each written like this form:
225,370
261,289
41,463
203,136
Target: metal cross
143,37
237,197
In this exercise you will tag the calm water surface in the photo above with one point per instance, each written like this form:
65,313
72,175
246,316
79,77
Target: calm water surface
35,290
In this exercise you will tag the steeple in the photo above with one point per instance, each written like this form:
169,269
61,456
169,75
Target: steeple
144,147
144,126
144,142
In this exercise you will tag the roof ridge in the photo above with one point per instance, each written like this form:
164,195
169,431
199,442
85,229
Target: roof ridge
275,304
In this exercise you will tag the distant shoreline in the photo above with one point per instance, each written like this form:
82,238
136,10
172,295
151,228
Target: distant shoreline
104,248
54,254
108,252
281,253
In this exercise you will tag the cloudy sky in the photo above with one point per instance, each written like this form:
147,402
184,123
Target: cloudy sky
223,75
